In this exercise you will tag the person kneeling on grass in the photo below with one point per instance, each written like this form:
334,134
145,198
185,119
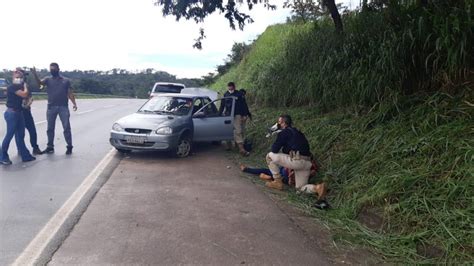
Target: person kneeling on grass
295,155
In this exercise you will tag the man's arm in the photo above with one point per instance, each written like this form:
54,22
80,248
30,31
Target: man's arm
72,97
38,80
24,93
280,141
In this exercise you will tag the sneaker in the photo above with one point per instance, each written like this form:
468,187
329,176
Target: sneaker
37,151
49,150
6,162
29,159
69,151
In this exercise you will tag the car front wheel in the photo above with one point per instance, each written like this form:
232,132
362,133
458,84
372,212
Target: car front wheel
184,147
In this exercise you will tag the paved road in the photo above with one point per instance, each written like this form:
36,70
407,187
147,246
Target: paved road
31,193
156,210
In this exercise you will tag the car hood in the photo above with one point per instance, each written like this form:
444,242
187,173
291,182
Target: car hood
149,121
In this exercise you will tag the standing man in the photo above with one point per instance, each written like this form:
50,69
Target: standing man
296,155
241,113
59,91
15,120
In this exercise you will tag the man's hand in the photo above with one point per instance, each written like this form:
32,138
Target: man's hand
74,107
244,118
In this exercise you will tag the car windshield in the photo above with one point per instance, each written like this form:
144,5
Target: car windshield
3,82
168,105
167,88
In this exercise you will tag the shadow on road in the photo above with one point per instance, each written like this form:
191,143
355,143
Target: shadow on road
198,148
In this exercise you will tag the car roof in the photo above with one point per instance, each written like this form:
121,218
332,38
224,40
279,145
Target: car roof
170,83
182,95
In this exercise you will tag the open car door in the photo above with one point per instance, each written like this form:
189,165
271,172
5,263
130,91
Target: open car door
212,125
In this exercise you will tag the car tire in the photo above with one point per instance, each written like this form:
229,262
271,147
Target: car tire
184,147
123,151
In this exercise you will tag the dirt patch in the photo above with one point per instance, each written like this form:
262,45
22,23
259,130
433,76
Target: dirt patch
370,218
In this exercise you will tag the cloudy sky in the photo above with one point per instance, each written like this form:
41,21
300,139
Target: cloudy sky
128,34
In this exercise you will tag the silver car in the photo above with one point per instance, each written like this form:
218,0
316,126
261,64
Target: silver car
172,122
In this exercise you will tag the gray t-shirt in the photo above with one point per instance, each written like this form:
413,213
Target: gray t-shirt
58,90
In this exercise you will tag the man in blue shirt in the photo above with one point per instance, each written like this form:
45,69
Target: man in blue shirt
59,93
16,92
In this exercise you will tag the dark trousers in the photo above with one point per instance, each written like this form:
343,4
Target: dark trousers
258,171
15,128
51,115
30,126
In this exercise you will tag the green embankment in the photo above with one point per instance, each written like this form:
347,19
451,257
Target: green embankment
388,111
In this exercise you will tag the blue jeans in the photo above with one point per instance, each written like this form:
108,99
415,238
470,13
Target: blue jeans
30,126
258,171
51,115
15,127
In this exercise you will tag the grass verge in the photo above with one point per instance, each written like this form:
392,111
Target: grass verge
401,177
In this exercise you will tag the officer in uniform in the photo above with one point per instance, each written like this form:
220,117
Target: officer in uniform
295,155
241,114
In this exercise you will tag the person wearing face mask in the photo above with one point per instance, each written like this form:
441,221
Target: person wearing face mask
295,154
241,114
59,93
15,120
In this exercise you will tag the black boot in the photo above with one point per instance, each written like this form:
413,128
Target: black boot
49,150
37,151
69,150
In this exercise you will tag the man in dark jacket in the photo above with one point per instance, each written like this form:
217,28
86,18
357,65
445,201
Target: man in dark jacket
295,154
241,114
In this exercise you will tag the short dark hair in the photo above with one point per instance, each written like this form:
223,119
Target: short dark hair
287,119
231,84
54,64
243,91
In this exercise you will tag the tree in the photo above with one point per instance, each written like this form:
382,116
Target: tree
304,10
199,10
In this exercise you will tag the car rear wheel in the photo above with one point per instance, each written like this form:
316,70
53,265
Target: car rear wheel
184,147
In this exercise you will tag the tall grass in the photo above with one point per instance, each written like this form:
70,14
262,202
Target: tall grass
414,171
388,109
382,55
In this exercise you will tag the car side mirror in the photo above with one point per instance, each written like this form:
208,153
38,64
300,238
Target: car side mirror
200,114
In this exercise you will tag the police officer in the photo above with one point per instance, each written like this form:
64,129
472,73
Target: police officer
295,155
241,114
15,120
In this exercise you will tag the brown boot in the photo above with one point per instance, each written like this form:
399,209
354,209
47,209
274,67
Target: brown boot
321,190
275,184
266,177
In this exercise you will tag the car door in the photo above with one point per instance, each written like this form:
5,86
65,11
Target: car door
210,124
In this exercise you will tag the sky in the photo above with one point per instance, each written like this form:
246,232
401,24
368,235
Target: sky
126,34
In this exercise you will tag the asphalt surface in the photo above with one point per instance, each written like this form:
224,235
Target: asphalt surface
30,193
199,210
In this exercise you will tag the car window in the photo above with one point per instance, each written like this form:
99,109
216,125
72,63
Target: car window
168,105
211,108
198,104
167,88
3,82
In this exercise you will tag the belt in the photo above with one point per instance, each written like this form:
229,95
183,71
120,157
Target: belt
13,109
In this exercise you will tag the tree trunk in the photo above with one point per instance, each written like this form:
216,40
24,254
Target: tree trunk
336,17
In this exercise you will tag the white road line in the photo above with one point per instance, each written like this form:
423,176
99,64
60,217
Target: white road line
85,112
35,248
40,122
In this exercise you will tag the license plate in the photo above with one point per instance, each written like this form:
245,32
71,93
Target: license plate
135,139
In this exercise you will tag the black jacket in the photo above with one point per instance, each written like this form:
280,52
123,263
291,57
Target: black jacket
291,139
241,107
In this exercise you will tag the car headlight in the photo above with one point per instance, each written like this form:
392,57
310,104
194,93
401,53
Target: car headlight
117,127
164,131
